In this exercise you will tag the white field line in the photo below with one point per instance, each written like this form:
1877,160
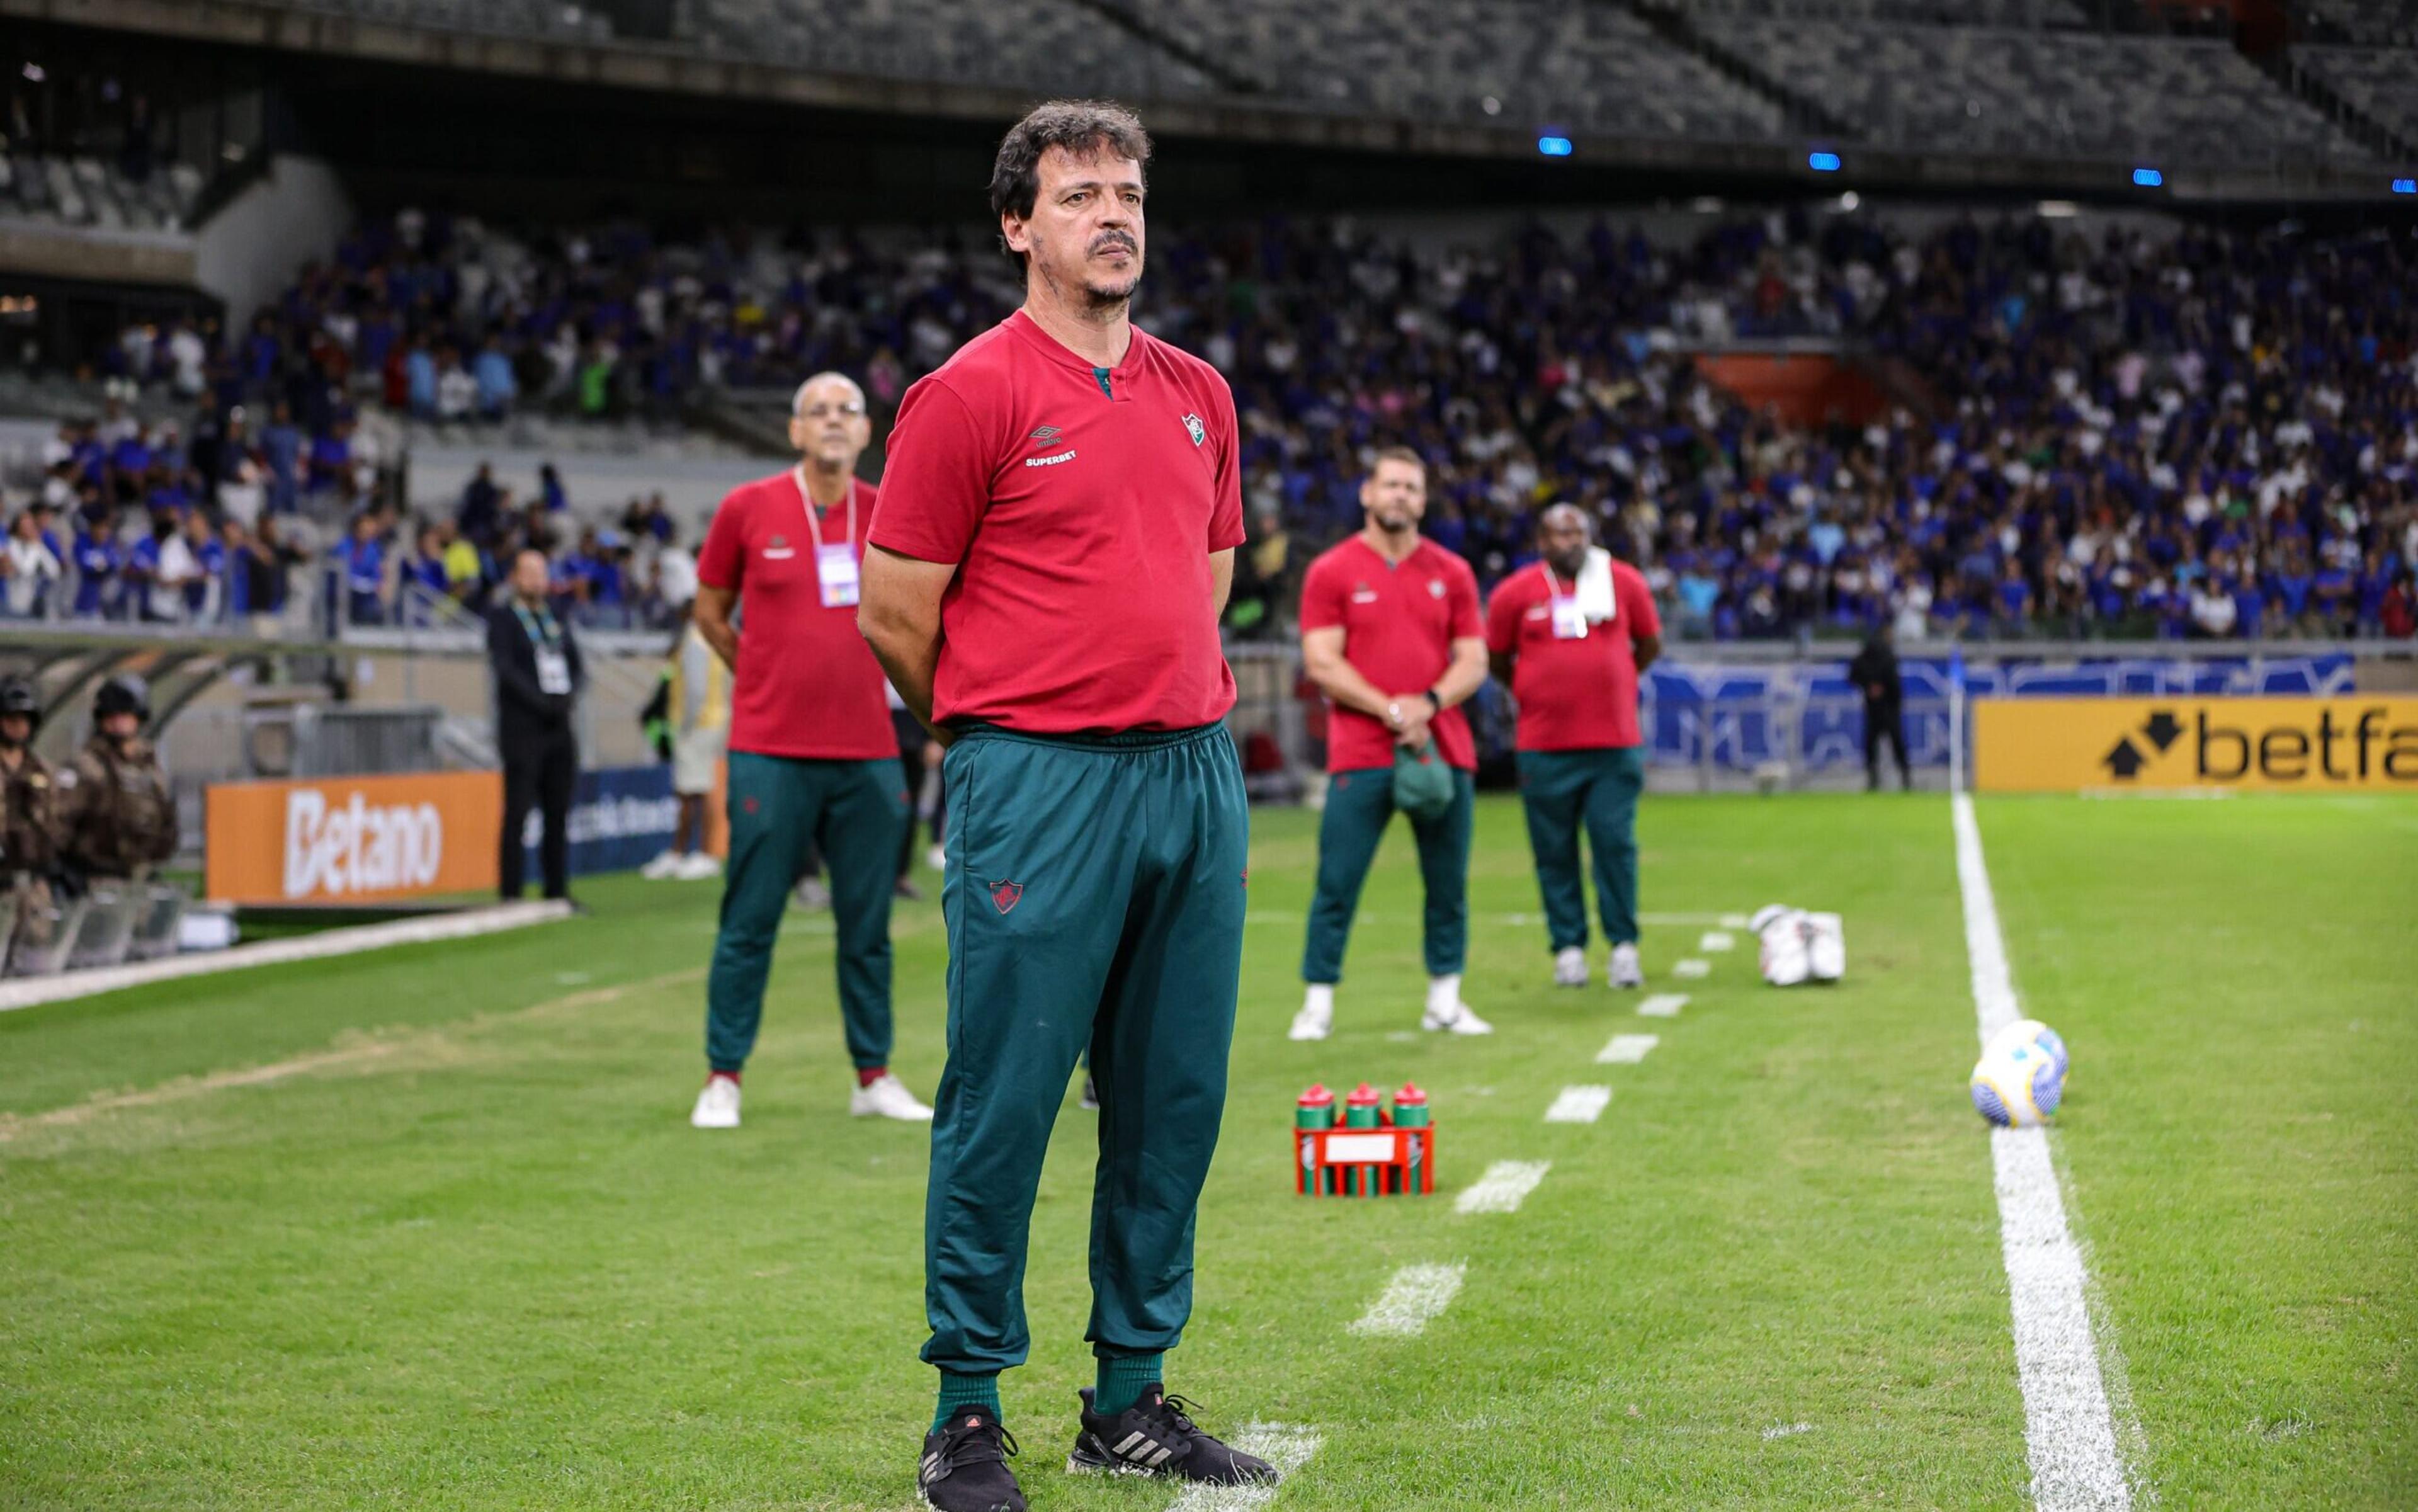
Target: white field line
1717,940
1286,1445
1693,967
1578,1105
30,991
1505,1184
1664,1006
1626,1049
1412,1299
2069,1430
1734,921
1786,1430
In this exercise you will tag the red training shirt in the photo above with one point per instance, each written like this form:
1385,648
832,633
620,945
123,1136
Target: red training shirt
1399,624
806,684
1574,694
1082,522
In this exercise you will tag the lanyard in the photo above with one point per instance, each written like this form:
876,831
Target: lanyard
540,626
806,501
1553,584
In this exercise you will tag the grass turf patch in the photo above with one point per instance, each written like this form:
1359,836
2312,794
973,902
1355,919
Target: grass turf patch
468,1252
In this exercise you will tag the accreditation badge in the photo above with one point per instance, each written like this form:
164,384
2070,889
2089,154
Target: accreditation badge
1570,621
835,566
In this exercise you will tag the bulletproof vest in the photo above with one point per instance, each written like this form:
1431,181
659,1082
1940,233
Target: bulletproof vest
127,819
29,835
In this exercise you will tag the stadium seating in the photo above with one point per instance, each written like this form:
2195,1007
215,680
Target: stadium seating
1053,45
2041,93
2377,23
2382,84
526,17
84,192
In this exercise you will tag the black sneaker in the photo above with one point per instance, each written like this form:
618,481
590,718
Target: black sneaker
1156,1437
965,1465
1090,1102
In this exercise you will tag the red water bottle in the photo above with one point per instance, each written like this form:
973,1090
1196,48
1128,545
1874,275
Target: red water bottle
1411,1112
1361,1110
1314,1111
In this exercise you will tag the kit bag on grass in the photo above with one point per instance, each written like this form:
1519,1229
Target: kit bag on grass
1422,782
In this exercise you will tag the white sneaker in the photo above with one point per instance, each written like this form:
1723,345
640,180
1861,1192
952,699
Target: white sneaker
937,858
1317,1016
664,867
812,895
886,1096
1569,967
1458,1019
717,1106
1624,970
696,866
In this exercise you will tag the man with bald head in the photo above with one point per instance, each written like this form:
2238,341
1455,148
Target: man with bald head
813,762
1571,635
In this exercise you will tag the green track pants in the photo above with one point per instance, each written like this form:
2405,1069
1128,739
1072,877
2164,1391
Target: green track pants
1094,898
1360,804
1597,789
780,807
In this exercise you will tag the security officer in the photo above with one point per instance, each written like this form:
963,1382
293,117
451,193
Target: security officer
116,817
29,835
1876,675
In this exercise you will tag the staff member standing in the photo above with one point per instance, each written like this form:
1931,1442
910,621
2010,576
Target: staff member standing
1390,633
1056,541
538,677
1571,636
1874,673
29,826
813,762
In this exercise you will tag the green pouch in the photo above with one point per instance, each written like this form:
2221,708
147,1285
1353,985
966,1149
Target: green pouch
1422,782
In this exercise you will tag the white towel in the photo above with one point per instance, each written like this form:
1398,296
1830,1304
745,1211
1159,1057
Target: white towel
1595,595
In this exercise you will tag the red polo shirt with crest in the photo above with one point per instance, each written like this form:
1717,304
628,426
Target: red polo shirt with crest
806,684
1081,517
1575,695
1399,621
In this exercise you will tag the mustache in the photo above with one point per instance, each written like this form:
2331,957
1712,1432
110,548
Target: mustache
1115,238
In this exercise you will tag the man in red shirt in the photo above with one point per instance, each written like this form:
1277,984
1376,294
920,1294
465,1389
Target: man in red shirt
1390,633
1054,548
812,761
1570,636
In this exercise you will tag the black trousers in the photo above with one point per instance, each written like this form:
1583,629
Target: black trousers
539,770
1885,722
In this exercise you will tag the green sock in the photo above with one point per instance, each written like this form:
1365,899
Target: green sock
959,1392
1121,1380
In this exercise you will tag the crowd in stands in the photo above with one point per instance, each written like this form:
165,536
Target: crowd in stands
2193,433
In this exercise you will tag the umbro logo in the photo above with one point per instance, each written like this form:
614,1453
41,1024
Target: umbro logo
1047,433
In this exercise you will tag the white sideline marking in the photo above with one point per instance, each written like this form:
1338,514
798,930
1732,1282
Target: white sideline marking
1693,967
1664,1006
1717,940
1786,1430
1286,1445
1504,1185
1626,1049
1411,1300
32,991
1735,920
2069,1431
1578,1105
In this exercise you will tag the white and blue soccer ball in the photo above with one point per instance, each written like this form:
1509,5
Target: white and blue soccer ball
2017,1083
2032,1031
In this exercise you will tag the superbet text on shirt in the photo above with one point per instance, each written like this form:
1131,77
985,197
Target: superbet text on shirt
1083,506
1400,620
806,684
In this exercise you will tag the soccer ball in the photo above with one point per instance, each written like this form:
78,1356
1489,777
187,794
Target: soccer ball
2032,1031
2015,1084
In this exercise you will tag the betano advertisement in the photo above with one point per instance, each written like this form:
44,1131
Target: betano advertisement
352,839
2301,745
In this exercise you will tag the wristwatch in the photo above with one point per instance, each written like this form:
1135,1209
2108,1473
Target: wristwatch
1394,714
1435,705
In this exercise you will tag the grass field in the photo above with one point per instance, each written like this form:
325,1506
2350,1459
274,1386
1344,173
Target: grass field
428,1228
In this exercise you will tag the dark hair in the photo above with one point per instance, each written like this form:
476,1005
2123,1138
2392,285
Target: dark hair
1082,127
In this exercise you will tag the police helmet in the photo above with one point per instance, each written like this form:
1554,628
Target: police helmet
18,696
122,695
